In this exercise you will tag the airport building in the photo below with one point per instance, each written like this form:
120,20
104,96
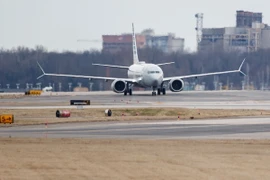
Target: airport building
167,43
114,43
249,35
246,18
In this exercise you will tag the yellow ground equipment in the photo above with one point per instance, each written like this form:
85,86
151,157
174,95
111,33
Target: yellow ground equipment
7,118
33,92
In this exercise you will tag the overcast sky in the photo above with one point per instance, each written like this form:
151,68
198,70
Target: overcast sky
57,24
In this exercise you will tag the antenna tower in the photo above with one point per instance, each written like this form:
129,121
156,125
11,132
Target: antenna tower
199,28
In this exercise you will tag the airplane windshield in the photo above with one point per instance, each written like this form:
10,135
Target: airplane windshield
153,72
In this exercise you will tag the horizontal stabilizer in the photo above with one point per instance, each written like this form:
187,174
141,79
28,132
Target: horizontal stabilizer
162,64
112,66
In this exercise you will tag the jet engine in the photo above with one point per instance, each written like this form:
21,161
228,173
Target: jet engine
119,86
176,85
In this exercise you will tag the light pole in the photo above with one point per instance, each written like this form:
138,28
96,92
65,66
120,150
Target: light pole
90,86
38,85
216,80
100,86
252,85
220,86
231,88
187,85
60,86
243,85
203,83
18,86
69,86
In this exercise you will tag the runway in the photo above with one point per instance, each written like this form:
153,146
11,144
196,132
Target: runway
245,128
186,99
250,128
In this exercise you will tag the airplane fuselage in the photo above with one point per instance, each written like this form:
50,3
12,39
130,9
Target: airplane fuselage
147,75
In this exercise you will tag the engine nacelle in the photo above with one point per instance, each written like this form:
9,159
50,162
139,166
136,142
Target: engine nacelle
119,86
176,85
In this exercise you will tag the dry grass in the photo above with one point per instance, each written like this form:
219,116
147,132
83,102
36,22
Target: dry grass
12,96
34,159
39,116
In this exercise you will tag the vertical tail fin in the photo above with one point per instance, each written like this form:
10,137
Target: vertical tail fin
134,45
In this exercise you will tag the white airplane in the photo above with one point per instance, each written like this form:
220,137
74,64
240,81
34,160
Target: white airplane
47,89
141,74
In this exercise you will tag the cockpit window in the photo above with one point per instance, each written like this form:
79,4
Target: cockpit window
153,72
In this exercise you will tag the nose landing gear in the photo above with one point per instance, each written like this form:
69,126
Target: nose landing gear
154,93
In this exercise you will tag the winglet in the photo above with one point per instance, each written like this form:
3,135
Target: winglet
42,71
241,67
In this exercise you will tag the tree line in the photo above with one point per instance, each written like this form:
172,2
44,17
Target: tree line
20,66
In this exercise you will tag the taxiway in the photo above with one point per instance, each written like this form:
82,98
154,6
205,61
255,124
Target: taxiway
253,128
186,99
244,128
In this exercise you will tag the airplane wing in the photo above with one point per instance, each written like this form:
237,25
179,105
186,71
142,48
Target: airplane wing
112,66
162,64
207,74
86,77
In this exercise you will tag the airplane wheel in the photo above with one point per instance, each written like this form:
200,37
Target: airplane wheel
154,93
125,93
163,91
130,92
158,91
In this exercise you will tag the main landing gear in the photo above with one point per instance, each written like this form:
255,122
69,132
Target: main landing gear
128,90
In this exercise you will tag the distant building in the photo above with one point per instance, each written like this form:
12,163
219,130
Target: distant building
265,38
167,43
246,18
114,43
229,38
250,34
